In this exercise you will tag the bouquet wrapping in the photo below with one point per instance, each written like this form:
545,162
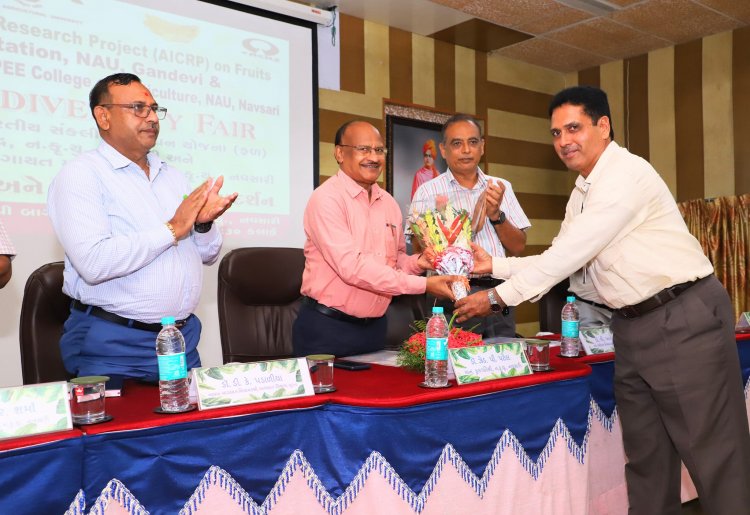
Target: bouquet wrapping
444,226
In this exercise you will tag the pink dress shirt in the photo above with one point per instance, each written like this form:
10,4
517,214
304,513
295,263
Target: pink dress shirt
355,251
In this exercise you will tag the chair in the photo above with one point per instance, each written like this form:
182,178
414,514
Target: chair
402,312
550,307
44,310
259,297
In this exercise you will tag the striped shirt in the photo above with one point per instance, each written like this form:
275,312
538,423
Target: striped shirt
465,198
6,246
119,254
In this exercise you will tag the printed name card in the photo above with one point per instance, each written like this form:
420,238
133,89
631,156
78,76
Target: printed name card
596,340
33,409
245,383
485,362
743,324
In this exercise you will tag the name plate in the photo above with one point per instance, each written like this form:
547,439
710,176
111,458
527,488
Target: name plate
34,409
486,362
596,340
743,324
245,383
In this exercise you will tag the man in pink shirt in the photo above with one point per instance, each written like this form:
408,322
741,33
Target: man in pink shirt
355,254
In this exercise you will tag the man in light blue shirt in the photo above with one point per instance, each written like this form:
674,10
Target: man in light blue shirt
135,239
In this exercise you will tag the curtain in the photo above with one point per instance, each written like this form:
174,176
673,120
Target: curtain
722,227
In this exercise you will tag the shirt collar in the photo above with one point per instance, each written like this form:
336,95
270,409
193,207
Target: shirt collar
119,161
583,184
354,189
481,181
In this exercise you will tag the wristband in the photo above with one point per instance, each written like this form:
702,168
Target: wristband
202,228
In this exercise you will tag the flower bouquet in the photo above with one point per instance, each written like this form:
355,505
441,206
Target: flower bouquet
446,228
411,355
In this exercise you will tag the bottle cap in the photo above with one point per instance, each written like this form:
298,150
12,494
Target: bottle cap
167,321
571,298
437,309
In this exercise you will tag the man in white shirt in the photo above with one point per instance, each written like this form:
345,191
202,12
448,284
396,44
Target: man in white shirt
677,377
501,233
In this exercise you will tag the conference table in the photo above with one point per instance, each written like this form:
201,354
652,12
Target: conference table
548,443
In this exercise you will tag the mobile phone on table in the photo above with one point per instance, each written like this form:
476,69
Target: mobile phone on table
350,365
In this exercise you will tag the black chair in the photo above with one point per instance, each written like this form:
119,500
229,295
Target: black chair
402,312
44,310
550,307
259,297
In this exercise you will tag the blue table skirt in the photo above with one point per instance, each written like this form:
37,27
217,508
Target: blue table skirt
162,466
40,480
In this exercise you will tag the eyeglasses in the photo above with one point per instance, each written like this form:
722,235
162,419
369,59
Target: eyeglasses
142,110
365,150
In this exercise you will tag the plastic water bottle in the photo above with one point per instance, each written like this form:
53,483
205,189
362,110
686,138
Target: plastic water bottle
570,345
173,382
436,353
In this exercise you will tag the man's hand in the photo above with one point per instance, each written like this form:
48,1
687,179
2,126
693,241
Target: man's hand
187,212
482,260
493,199
440,285
6,270
215,205
426,260
475,305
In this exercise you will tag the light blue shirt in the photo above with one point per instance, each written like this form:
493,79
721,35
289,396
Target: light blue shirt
119,254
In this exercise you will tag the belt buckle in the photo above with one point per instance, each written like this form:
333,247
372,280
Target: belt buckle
628,312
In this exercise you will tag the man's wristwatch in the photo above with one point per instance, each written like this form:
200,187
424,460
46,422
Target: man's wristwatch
500,219
494,304
202,228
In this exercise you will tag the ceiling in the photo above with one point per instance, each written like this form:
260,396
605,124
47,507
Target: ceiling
553,33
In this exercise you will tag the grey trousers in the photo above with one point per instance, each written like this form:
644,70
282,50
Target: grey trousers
679,394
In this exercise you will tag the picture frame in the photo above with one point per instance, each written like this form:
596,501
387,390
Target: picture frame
407,130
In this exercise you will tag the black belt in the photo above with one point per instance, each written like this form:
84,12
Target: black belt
335,313
117,319
592,303
485,282
657,300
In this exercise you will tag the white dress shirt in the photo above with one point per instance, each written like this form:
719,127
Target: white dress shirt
6,246
623,228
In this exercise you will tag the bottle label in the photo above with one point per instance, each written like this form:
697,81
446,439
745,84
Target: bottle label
437,348
570,328
172,367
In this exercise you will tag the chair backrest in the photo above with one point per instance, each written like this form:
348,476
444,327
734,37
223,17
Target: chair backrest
44,310
258,301
402,312
550,307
